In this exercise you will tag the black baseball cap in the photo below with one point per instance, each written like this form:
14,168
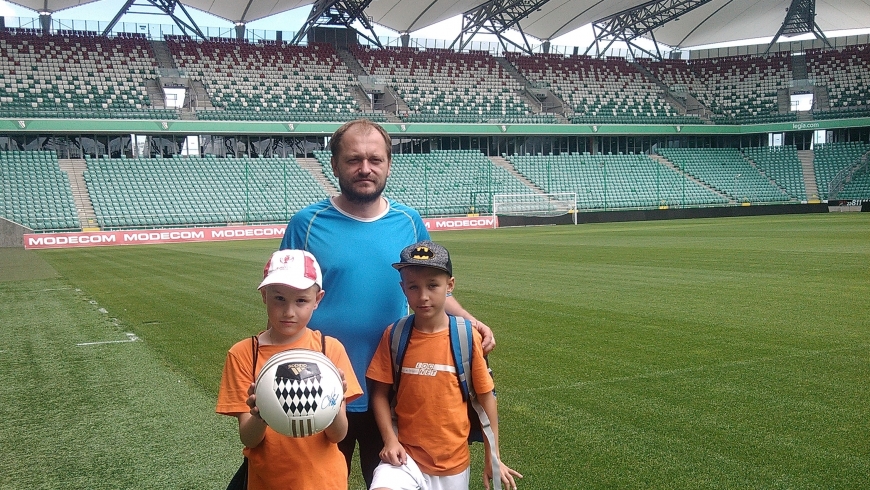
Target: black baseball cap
426,254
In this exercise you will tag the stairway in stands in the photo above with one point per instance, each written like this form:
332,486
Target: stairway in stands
503,163
75,168
358,93
806,158
667,163
316,170
534,104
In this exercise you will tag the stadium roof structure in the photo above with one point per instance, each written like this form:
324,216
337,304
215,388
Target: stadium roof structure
675,23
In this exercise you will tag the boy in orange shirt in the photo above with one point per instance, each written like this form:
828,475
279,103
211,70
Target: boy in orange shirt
291,290
429,447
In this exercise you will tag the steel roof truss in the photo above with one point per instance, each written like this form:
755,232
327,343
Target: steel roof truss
339,13
630,24
497,17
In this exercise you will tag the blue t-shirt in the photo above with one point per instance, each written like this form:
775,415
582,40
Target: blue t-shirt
363,295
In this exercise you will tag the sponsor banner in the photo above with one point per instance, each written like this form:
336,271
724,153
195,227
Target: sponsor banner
36,241
461,223
33,241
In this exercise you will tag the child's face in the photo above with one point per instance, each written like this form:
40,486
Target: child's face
289,310
426,289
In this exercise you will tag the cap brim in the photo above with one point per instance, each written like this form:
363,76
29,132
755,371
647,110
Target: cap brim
295,284
402,265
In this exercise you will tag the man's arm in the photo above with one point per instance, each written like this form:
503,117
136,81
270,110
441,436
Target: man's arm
454,308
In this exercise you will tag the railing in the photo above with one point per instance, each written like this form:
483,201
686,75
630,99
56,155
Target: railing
843,177
158,31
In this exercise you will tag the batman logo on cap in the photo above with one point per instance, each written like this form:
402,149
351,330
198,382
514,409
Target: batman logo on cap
422,253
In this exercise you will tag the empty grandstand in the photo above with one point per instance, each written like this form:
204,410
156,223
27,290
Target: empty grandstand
36,193
268,82
77,75
94,133
445,86
602,91
609,181
154,192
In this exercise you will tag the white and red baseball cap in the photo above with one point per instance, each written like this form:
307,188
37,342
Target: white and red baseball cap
295,268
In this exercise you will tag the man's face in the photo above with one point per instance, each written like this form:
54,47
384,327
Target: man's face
362,165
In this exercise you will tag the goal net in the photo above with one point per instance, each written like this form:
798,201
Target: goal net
536,205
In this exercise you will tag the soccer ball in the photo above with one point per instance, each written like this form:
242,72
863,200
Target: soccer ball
299,392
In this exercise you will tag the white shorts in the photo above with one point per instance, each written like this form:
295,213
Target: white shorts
409,477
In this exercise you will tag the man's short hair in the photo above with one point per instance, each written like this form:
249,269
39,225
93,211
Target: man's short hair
365,125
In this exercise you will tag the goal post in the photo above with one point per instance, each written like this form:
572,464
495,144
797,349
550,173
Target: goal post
535,205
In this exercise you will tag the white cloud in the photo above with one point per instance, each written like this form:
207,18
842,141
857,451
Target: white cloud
6,10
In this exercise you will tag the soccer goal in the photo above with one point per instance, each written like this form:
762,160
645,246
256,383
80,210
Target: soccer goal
537,205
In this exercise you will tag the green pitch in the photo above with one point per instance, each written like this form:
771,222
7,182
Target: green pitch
725,353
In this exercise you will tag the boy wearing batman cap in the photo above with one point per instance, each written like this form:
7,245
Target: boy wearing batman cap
428,448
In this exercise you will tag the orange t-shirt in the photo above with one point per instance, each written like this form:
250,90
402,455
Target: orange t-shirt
432,418
281,461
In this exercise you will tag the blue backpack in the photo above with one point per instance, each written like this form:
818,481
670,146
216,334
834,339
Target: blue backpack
461,342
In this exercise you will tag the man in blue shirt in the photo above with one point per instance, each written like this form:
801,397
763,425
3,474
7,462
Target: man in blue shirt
356,236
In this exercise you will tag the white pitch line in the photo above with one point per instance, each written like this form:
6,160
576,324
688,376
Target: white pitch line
130,338
670,372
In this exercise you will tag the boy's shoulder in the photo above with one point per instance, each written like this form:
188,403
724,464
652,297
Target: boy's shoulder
243,345
331,343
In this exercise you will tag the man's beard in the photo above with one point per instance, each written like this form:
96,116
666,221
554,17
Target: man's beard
358,197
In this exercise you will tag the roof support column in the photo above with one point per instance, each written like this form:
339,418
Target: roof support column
164,7
496,17
633,23
800,19
45,21
338,13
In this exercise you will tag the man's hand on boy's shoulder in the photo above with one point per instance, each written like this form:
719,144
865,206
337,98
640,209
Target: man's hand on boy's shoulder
487,337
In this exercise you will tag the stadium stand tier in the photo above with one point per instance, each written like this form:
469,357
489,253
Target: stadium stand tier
76,75
614,181
835,162
36,192
270,82
736,90
79,74
728,171
444,182
601,91
440,85
148,192
845,74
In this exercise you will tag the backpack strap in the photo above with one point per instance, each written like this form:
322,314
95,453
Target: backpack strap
255,351
461,345
400,333
461,340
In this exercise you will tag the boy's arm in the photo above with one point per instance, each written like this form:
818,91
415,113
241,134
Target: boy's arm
452,307
337,430
488,402
393,452
252,428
